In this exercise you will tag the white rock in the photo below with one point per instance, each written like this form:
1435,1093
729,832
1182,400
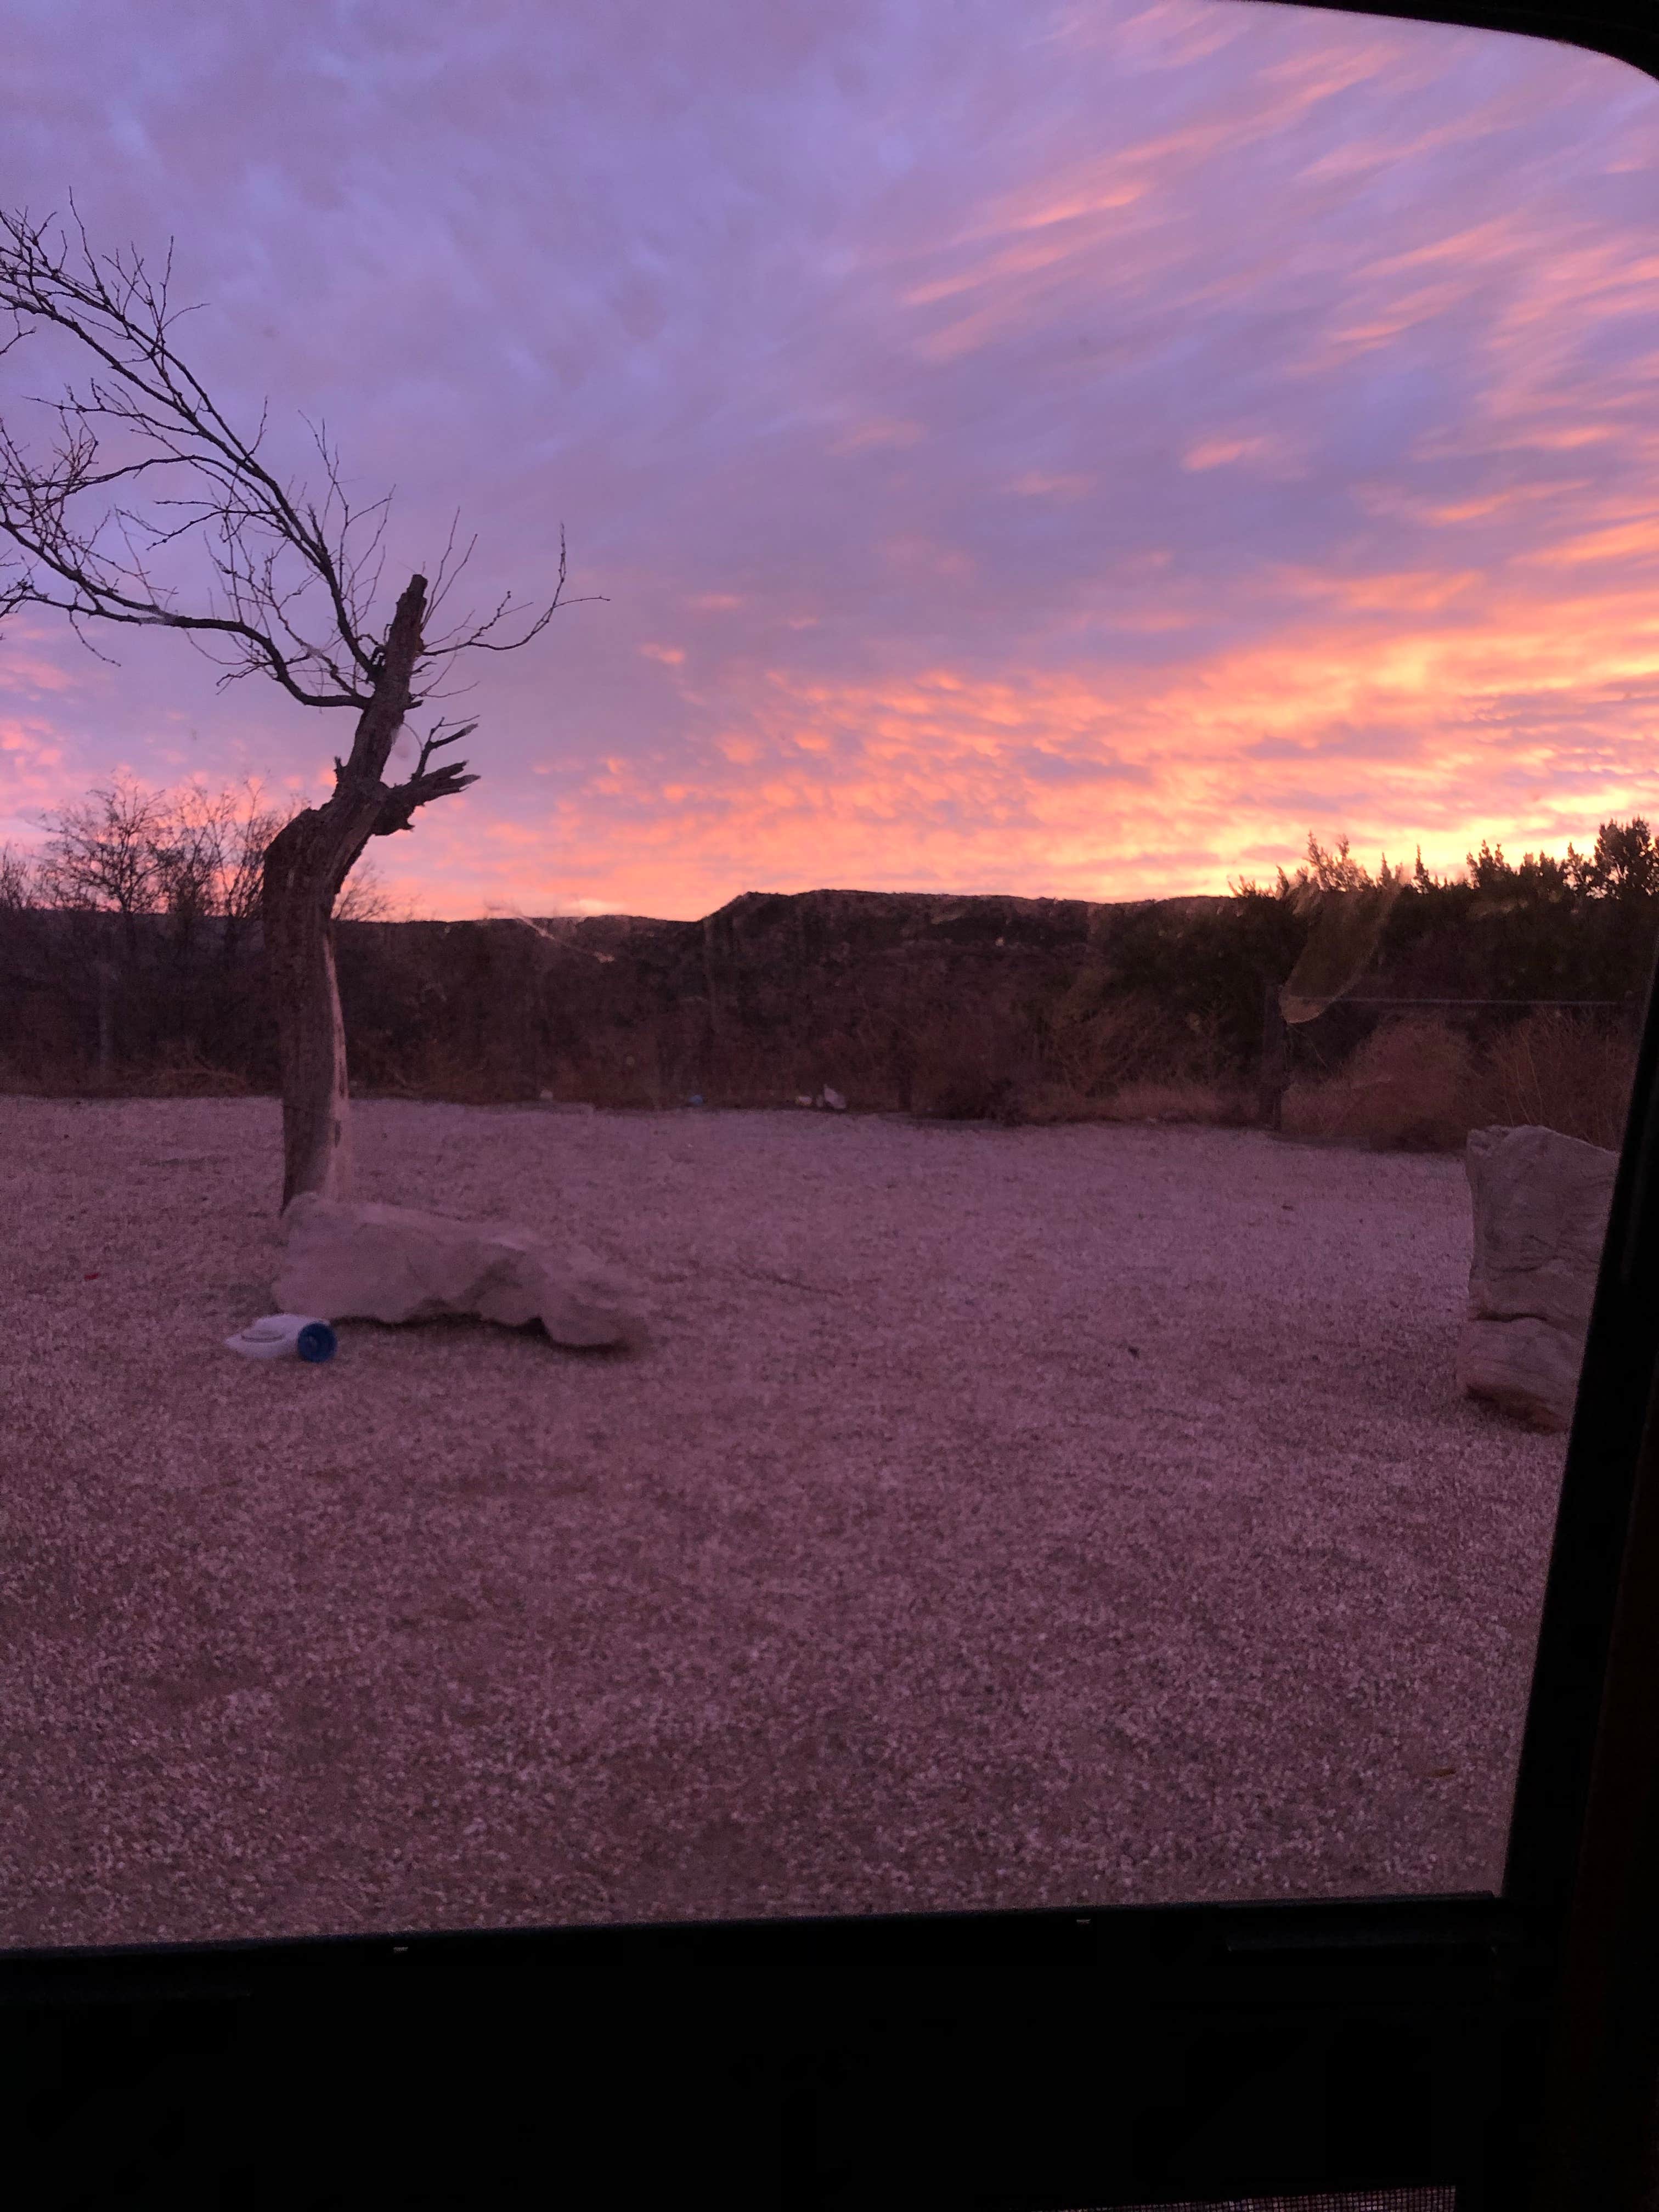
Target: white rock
1540,1203
832,1099
800,1101
352,1260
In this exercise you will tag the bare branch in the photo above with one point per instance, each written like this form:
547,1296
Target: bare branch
143,463
400,804
479,638
363,899
402,801
441,584
102,854
124,326
430,744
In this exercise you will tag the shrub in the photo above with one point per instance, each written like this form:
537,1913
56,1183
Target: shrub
1411,1085
1559,1070
1419,1084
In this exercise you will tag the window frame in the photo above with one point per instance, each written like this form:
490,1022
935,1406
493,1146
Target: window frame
1503,2046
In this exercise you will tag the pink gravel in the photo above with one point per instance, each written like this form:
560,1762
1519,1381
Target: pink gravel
995,1518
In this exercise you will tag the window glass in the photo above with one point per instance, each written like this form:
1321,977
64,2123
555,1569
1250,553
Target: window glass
1110,563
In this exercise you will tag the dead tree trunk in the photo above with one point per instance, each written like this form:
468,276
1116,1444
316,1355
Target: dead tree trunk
299,928
306,866
1275,1061
254,527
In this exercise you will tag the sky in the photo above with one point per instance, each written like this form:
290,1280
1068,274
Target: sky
1070,451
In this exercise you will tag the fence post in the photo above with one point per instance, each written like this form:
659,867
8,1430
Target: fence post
105,1016
1275,1060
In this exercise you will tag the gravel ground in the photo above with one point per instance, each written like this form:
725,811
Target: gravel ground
993,1518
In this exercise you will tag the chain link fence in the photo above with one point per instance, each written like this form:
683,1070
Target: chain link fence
1289,1050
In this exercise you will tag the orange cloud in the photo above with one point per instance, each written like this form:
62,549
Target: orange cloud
1218,452
1625,542
1466,717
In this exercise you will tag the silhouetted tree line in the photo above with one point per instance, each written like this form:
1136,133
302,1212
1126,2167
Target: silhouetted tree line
1584,927
131,956
131,939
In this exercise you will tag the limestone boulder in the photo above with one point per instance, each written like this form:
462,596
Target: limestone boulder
1540,1203
350,1259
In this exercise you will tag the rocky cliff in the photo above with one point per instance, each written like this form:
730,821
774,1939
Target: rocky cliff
748,995
772,994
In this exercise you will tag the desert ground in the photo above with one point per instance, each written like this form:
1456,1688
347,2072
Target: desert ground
1040,1517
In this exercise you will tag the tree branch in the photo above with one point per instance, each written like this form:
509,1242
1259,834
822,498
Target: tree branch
401,802
250,525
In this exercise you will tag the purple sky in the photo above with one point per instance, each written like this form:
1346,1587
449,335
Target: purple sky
1072,451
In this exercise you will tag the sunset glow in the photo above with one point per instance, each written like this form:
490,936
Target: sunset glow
1070,451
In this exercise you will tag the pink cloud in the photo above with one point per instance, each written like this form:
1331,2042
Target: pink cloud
1062,456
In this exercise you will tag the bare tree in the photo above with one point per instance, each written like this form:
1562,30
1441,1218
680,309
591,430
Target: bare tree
101,861
25,894
21,887
248,839
210,860
193,858
102,855
125,851
269,546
